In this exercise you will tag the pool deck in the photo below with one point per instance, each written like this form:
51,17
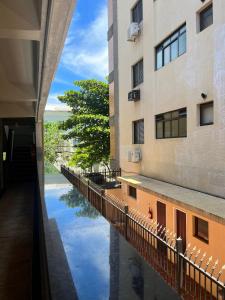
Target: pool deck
205,204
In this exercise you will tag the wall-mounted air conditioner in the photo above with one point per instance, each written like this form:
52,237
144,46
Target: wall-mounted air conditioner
129,156
134,95
136,157
133,32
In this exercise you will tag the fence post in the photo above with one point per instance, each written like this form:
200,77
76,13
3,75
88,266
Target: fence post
180,273
102,194
126,210
78,182
105,175
88,195
223,294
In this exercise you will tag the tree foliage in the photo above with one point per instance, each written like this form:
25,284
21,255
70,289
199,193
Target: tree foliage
53,139
74,199
89,123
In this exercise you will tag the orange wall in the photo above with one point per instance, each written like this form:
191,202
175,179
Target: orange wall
216,245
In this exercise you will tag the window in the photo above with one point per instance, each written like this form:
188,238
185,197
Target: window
206,114
171,48
138,132
138,76
171,124
137,12
132,192
201,230
206,17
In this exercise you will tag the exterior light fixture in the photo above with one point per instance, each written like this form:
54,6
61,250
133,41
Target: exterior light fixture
204,96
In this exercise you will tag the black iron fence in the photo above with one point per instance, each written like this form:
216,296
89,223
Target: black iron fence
191,273
102,177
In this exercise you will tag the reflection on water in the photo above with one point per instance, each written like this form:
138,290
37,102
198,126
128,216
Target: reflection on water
102,263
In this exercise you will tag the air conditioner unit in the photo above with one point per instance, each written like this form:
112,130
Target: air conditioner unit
133,32
136,157
134,95
129,156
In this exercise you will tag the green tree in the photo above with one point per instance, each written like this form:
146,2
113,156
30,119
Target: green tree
53,140
89,123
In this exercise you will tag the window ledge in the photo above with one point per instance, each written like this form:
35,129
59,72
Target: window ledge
201,239
206,124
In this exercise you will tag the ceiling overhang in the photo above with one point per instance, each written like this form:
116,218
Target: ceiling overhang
32,35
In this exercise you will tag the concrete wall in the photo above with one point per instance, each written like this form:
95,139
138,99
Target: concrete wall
198,161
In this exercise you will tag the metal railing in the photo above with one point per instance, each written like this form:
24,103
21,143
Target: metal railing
102,176
193,275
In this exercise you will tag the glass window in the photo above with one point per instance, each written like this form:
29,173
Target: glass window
159,129
167,129
175,130
182,44
206,17
174,50
167,116
172,124
159,57
201,229
138,132
206,114
166,55
183,127
171,48
132,192
138,75
137,12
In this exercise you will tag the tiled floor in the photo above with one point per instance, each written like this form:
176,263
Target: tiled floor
16,217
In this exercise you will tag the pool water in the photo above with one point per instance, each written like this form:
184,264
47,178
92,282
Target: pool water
103,265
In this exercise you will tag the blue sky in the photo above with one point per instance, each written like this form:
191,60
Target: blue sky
85,53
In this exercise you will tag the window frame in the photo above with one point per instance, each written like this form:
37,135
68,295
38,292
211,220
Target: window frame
132,192
202,105
137,65
167,42
182,114
196,229
201,17
140,15
138,139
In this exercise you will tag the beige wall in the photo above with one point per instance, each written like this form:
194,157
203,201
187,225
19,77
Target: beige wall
114,84
197,161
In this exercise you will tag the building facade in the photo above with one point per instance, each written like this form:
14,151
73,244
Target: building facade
167,107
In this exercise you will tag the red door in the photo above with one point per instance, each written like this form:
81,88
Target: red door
181,226
161,219
161,213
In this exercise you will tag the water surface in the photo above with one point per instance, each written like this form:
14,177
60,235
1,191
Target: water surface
103,265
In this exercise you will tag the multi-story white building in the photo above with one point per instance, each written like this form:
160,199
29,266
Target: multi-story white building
167,111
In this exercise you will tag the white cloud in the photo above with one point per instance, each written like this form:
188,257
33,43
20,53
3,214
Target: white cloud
85,51
58,107
54,104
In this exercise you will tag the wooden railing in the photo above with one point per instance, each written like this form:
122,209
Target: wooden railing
191,274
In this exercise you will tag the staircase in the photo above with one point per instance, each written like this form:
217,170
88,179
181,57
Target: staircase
22,168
